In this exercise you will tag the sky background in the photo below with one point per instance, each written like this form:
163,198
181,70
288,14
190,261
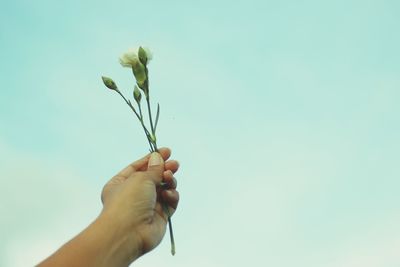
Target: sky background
284,116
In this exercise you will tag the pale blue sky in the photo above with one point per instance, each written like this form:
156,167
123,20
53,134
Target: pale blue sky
284,116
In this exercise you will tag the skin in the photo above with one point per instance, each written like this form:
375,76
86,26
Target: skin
132,221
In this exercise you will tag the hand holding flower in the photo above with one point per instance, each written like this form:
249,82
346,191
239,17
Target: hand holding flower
137,60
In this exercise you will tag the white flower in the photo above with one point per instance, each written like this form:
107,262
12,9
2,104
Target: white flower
130,58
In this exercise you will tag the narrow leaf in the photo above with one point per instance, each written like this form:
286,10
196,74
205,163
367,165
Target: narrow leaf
158,115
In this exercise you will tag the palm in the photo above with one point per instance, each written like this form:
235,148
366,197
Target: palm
145,211
152,233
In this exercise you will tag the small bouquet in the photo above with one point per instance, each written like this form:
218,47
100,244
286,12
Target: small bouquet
137,60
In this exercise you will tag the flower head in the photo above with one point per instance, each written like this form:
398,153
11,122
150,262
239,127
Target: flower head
130,58
109,83
135,55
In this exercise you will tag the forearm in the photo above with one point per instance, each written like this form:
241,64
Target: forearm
103,243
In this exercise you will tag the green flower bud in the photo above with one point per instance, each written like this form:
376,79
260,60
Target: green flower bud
139,71
144,55
109,83
137,95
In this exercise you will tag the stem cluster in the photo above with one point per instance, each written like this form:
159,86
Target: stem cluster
140,71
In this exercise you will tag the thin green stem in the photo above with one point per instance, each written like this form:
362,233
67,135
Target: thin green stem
171,232
165,205
140,118
150,117
149,110
140,110
147,132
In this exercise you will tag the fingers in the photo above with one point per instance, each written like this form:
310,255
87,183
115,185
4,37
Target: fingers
172,165
141,164
169,180
171,197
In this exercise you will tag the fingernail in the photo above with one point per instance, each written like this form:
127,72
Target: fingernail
155,159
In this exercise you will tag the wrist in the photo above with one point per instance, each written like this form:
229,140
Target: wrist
103,243
122,243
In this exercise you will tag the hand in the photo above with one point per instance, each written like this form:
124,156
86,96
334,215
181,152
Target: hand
132,221
133,198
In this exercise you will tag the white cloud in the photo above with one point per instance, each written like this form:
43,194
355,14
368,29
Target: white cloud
45,204
379,247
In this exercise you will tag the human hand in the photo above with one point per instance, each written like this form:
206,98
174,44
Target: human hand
133,198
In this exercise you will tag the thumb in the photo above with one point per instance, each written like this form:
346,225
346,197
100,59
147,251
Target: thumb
155,167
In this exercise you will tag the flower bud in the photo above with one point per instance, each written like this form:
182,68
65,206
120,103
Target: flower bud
109,83
144,55
139,70
137,95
